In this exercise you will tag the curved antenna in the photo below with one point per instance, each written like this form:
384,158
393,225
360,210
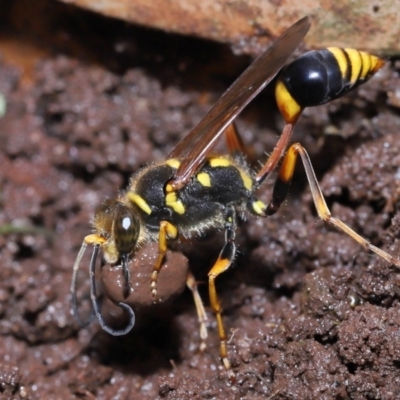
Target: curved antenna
96,305
72,289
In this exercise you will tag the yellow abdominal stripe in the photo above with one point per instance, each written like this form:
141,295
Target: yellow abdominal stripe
377,63
341,59
361,64
288,106
355,63
369,62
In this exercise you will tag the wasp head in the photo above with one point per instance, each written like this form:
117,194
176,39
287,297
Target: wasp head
119,225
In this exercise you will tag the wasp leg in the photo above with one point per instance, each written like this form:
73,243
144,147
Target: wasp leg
201,312
236,146
234,141
281,188
276,154
224,261
96,305
167,231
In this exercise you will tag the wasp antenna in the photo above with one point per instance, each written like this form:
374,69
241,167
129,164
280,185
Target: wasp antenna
72,289
96,303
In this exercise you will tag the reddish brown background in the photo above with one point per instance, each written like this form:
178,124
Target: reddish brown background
311,316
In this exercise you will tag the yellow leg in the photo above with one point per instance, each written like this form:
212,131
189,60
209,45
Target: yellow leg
167,231
234,141
277,153
280,191
201,312
220,266
224,261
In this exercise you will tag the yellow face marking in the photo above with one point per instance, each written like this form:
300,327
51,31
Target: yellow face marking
340,59
171,200
259,207
173,163
139,201
110,252
204,179
356,64
288,106
247,181
219,162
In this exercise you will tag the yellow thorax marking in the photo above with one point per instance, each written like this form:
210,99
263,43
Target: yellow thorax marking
168,188
139,201
173,163
247,181
259,207
171,200
219,162
204,179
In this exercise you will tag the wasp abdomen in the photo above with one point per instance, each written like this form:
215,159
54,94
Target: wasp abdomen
320,76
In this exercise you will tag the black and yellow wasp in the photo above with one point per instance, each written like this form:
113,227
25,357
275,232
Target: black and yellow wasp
193,192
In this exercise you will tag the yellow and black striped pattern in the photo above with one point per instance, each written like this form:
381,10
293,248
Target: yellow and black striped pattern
356,66
318,77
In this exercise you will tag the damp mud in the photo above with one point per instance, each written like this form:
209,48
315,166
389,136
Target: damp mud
310,314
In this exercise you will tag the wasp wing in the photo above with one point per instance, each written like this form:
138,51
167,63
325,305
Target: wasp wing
193,149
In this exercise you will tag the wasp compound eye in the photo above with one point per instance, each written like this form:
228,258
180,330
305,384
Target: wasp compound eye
125,232
125,229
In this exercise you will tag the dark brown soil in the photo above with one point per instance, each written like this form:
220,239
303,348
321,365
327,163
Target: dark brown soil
310,315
